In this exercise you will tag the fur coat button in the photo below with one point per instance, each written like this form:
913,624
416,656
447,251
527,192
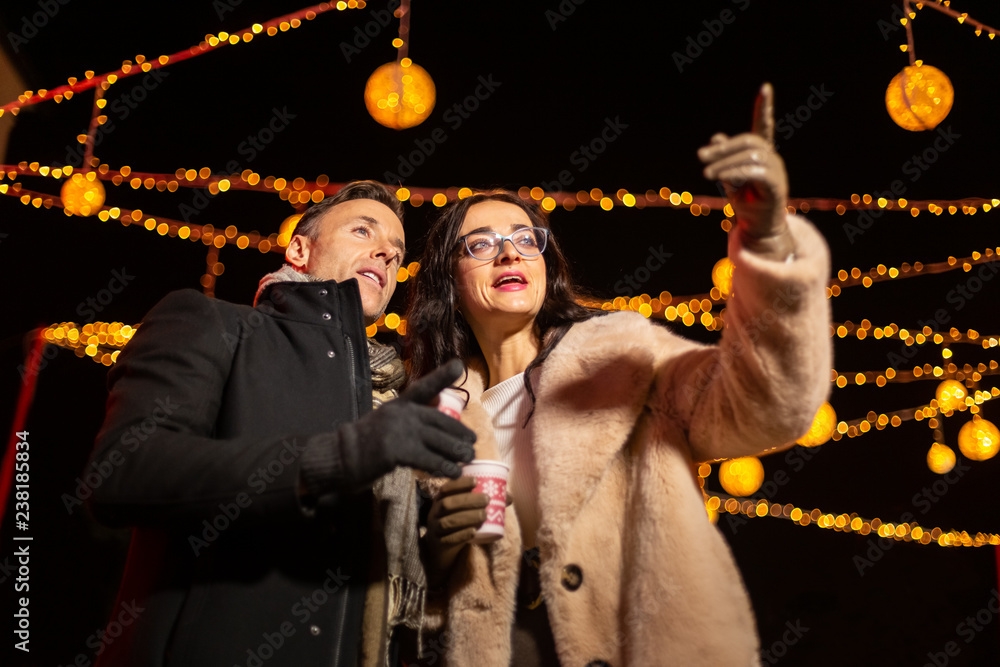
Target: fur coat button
572,577
598,663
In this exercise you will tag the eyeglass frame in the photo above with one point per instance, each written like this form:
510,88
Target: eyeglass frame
464,242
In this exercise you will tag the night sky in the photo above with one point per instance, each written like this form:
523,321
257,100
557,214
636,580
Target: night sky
523,92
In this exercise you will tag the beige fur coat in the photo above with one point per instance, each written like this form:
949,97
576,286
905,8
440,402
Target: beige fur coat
623,409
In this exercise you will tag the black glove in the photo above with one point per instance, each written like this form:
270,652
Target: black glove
403,432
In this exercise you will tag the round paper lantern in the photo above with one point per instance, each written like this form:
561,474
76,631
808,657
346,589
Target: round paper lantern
940,458
287,228
722,276
741,477
951,395
979,439
822,427
919,97
82,194
400,95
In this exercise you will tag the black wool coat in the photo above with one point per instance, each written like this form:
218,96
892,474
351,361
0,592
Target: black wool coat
211,405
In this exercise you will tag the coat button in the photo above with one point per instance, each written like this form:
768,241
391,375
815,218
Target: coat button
598,663
314,629
323,292
326,316
572,577
331,354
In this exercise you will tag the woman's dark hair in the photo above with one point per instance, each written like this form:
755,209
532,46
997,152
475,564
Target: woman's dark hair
437,332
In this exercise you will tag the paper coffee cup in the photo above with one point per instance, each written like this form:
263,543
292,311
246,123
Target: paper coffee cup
491,479
451,402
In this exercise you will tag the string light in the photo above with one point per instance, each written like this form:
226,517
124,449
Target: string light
210,43
101,341
851,523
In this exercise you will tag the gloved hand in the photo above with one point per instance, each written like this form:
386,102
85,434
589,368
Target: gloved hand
403,432
755,180
455,516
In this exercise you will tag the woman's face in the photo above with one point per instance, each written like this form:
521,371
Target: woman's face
509,287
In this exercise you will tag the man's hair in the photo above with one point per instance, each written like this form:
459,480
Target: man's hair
309,223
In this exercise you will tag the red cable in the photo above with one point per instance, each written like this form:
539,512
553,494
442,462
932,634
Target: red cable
31,370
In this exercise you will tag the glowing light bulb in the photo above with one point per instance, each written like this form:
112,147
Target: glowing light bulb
742,476
399,96
940,458
822,427
951,395
722,276
82,194
919,97
979,439
287,228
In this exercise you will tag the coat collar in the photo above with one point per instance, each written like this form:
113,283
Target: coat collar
588,397
307,301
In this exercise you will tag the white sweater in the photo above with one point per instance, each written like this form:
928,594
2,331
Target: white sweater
508,404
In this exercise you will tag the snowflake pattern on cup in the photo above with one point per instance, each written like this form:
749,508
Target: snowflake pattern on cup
490,488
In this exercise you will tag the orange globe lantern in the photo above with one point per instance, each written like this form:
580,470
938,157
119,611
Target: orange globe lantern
951,395
722,276
822,427
940,458
82,194
979,439
919,97
287,228
400,95
742,476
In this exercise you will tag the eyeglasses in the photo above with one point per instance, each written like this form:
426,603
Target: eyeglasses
528,241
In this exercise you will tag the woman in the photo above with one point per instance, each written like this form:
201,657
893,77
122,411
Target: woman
602,419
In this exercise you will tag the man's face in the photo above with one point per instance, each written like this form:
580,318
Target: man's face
362,239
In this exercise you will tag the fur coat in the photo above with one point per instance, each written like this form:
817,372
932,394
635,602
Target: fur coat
632,571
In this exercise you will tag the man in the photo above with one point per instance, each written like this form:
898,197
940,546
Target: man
244,448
